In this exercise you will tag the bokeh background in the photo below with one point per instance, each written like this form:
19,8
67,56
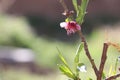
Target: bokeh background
30,33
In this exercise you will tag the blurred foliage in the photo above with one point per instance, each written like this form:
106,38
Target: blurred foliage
15,31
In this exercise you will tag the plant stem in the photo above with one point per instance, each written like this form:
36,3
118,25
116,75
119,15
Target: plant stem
64,5
88,53
113,77
103,60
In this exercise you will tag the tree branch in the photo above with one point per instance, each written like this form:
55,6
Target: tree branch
113,77
64,5
103,60
88,53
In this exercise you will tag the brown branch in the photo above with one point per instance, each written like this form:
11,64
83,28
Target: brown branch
113,77
64,5
88,53
103,60
66,12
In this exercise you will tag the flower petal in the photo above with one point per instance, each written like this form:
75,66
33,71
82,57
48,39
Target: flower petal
78,27
82,68
63,24
71,27
119,58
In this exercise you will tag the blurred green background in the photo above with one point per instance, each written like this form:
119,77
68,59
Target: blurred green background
35,26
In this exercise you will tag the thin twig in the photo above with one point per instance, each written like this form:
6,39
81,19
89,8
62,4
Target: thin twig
115,45
64,5
88,53
103,60
66,12
113,77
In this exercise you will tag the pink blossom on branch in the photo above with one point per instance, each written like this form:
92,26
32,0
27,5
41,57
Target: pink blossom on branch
71,27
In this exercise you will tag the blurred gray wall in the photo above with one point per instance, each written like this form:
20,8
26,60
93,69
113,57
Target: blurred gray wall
53,9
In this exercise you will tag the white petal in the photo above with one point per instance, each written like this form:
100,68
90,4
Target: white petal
119,58
63,24
82,68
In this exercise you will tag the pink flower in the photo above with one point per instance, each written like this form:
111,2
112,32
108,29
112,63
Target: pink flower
70,27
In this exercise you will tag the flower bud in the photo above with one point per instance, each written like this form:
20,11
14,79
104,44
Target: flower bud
71,27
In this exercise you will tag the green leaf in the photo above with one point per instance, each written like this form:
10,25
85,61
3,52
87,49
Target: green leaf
110,70
84,5
82,11
75,5
76,59
89,79
80,64
103,76
116,64
66,71
64,61
62,58
68,19
80,47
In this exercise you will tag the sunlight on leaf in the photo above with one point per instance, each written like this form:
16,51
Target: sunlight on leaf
80,47
62,58
116,64
110,70
65,66
66,71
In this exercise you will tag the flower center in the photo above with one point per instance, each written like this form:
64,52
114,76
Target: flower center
71,25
